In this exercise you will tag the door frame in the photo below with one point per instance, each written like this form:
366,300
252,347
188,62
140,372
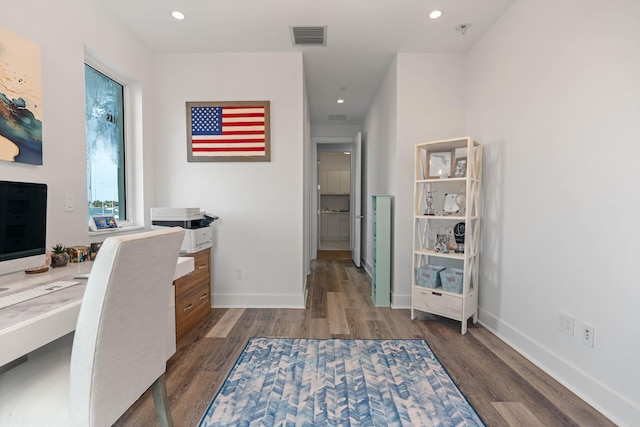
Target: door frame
323,144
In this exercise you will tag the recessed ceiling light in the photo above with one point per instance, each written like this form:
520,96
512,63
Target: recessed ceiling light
435,14
340,101
177,14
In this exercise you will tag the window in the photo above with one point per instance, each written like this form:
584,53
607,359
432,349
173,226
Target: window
106,180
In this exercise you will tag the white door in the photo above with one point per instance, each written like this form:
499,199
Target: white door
356,202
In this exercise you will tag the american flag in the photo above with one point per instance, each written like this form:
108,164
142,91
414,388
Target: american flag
228,131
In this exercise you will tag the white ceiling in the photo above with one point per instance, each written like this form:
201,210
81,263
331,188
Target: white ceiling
362,37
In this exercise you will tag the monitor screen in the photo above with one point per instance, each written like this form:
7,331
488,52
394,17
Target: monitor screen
23,225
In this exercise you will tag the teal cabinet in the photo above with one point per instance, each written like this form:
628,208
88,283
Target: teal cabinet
381,251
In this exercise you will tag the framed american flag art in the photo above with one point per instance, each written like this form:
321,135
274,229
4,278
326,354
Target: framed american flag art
228,131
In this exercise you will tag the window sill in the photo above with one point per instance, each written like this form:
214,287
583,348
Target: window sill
116,231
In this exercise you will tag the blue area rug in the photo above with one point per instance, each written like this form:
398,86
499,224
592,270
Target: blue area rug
309,382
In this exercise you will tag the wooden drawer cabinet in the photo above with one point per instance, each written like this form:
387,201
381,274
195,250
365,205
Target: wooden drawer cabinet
193,294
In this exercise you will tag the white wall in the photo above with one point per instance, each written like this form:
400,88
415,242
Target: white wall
335,131
554,94
63,38
309,174
431,106
378,152
421,99
260,204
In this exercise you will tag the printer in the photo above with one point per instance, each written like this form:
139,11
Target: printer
198,231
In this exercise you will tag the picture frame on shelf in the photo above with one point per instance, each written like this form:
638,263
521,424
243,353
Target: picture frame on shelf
450,205
460,170
440,164
442,244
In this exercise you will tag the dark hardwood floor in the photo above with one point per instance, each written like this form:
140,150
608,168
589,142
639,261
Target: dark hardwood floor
503,387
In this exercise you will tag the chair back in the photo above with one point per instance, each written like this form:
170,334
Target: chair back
119,344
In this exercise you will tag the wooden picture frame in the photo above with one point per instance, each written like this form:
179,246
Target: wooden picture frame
440,163
460,169
228,131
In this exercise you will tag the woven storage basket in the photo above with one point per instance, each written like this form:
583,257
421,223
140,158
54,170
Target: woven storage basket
451,279
428,276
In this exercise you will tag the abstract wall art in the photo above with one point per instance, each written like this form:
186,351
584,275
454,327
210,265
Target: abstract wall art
20,100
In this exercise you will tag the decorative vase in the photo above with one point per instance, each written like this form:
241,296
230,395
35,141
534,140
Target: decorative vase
59,260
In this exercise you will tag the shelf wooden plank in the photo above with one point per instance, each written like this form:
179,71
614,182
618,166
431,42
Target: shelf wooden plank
451,217
440,180
452,255
429,252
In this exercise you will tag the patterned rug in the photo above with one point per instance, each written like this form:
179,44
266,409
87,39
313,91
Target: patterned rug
310,382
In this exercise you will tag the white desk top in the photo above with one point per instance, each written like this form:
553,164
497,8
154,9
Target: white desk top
20,280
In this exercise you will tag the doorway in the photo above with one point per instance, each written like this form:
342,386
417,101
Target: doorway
338,219
334,173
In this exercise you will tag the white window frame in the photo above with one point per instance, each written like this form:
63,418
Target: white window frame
134,216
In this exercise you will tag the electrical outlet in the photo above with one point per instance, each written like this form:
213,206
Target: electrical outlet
565,323
239,273
588,334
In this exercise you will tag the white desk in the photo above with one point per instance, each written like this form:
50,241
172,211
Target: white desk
39,321
36,392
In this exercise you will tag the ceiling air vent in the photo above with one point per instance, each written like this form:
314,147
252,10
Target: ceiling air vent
337,117
309,36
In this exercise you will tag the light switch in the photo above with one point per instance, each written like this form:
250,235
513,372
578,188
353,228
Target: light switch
70,204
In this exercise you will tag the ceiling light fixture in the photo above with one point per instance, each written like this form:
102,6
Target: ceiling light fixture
435,14
177,14
340,101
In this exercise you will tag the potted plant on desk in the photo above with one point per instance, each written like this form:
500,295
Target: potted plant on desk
59,256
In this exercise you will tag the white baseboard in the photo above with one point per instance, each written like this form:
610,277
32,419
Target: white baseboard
397,301
400,301
366,267
258,301
610,403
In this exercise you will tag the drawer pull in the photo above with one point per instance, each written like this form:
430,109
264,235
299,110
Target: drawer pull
187,308
204,296
200,267
436,294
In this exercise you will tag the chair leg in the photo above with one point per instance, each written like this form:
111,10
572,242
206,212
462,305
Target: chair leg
159,391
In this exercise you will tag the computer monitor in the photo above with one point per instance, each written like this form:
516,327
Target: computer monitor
23,225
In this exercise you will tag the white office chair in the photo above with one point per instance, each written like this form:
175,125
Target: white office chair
119,345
